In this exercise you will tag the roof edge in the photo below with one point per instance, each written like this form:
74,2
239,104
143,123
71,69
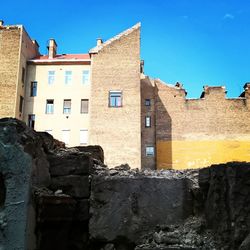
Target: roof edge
126,32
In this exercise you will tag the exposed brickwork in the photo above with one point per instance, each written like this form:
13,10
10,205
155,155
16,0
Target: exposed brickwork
9,61
212,118
117,129
147,133
15,48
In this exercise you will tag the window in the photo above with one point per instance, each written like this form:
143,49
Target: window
84,106
115,98
150,151
50,106
21,104
68,77
83,136
33,88
51,77
23,74
148,121
65,136
31,121
147,102
85,77
67,106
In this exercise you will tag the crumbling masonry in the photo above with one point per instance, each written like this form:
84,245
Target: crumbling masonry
52,197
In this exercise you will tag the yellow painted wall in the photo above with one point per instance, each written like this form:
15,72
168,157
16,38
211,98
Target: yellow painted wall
197,154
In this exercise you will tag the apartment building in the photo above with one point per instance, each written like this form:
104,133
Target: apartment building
57,94
103,97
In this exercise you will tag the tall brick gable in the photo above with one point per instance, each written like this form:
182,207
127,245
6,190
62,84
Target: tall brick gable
116,66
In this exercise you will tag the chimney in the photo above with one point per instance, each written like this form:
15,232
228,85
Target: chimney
52,48
1,22
99,41
142,66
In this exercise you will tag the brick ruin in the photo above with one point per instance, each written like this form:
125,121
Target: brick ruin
52,197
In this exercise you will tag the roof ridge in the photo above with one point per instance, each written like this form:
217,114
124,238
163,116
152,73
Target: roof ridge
126,32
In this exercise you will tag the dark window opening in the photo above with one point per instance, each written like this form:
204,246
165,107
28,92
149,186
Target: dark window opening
23,74
21,104
33,88
147,102
31,121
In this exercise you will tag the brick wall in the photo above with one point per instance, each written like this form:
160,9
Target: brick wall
194,133
147,133
15,48
117,129
9,61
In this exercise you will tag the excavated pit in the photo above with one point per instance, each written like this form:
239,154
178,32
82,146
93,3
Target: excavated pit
52,197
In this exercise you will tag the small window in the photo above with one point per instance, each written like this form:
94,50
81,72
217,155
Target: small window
83,136
68,77
50,106
150,151
33,88
51,77
115,98
67,106
31,121
65,136
21,104
147,102
148,121
23,74
85,77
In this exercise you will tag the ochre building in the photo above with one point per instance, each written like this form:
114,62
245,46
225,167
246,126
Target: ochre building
103,97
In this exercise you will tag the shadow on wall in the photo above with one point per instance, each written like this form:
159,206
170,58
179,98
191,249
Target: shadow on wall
2,191
163,130
29,115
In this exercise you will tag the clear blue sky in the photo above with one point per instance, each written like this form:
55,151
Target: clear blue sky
196,42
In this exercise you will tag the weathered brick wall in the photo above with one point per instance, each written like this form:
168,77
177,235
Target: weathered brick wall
118,130
15,49
147,133
9,62
199,132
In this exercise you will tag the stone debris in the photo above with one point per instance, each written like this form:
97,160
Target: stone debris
192,234
54,197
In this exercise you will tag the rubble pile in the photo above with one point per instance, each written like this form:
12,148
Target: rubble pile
52,197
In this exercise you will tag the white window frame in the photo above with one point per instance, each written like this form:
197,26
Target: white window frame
114,96
150,151
49,107
85,77
84,136
66,109
68,77
147,121
51,77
